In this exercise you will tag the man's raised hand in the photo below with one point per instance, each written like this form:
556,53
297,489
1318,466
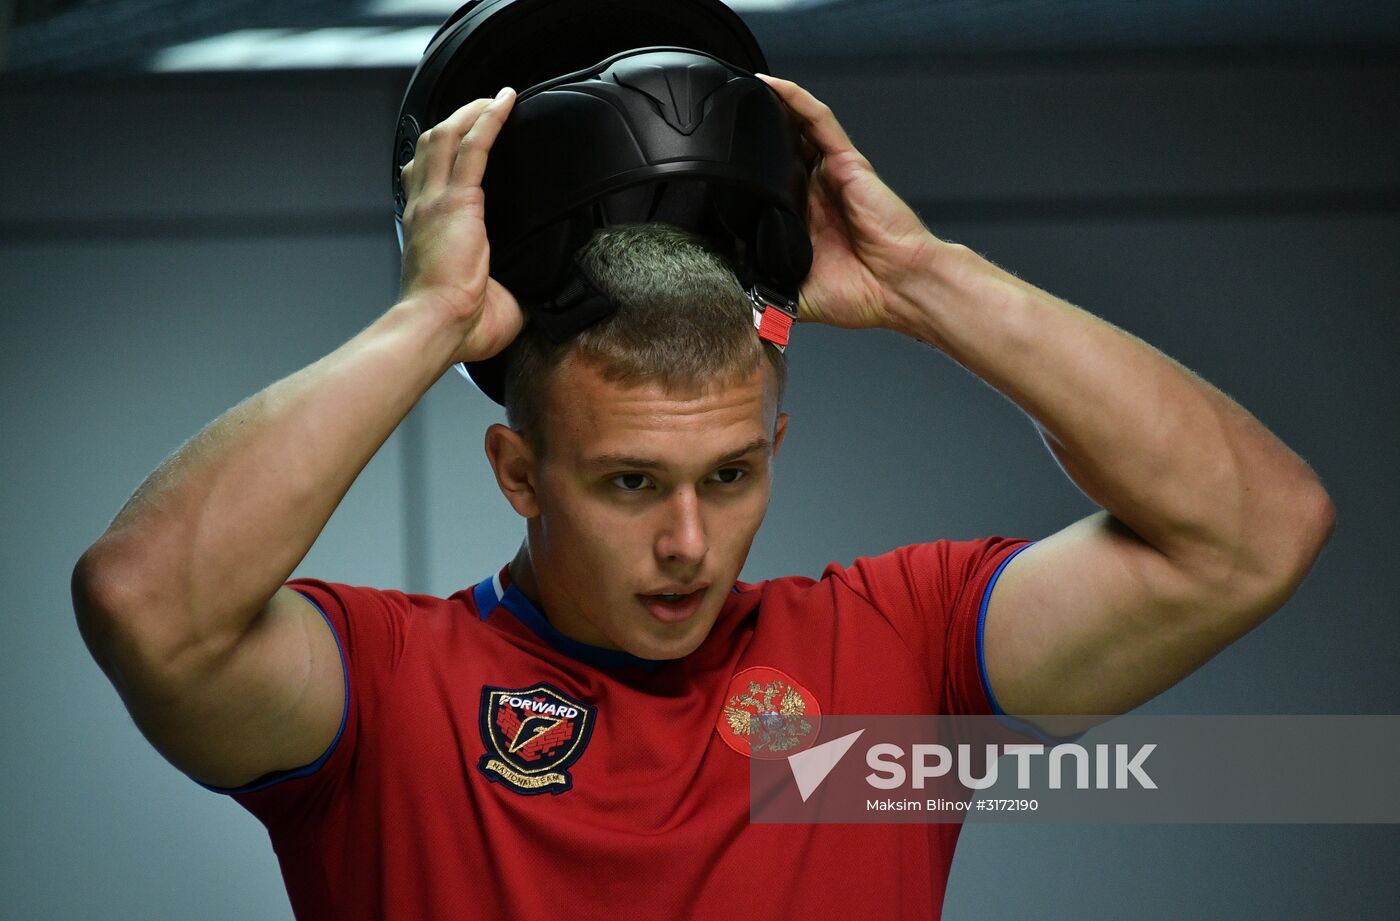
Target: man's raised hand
866,242
447,259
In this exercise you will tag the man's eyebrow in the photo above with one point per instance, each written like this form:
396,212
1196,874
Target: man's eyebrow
634,462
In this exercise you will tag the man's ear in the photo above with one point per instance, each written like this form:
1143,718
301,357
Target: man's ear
779,431
516,468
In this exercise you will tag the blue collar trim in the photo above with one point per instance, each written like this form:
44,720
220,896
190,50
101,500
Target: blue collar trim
493,592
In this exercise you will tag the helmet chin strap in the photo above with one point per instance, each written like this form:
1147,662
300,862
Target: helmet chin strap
578,306
773,314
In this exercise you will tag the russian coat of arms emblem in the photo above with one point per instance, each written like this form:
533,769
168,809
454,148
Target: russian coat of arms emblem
767,714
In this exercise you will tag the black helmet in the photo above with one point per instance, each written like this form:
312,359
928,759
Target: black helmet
630,111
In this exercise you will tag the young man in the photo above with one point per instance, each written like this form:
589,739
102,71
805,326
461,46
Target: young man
555,738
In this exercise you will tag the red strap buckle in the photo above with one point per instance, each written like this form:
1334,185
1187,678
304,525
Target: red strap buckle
773,315
774,326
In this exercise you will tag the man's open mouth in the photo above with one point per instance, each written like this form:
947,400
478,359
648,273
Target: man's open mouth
673,607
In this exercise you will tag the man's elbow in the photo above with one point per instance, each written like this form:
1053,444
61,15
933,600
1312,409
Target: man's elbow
1322,524
100,591
124,616
107,595
1315,522
1278,562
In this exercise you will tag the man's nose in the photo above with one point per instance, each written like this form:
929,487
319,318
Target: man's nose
682,538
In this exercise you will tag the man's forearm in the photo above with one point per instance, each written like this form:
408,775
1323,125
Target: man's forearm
1182,465
215,530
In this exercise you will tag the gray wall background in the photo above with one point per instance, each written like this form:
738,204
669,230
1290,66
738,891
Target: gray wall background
169,246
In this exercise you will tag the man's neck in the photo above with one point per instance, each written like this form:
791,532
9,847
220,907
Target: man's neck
522,576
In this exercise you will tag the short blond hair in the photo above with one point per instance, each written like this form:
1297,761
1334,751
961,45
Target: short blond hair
682,320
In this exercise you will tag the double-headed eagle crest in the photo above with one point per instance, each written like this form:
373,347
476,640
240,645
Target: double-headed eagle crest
772,717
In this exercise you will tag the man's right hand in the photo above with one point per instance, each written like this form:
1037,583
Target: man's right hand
447,259
228,673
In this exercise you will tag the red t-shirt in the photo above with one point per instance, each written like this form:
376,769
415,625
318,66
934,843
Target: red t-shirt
488,767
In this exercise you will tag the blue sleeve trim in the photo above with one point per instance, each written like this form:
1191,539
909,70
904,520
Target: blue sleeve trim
267,780
981,627
1020,726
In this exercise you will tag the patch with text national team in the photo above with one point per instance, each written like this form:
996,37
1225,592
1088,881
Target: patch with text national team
532,736
768,715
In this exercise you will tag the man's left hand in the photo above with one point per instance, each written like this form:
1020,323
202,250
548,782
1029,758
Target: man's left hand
867,243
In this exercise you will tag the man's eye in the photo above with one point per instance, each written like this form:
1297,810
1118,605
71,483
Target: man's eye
728,475
631,482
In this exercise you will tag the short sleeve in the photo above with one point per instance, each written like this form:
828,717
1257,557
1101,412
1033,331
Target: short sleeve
372,629
935,596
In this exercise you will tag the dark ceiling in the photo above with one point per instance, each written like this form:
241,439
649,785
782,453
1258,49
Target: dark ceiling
54,37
